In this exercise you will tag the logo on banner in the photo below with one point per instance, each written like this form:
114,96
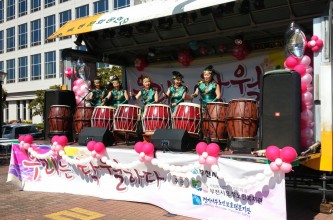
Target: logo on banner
196,200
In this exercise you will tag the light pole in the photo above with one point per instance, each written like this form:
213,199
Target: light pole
2,78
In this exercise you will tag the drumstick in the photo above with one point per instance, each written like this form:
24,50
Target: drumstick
130,86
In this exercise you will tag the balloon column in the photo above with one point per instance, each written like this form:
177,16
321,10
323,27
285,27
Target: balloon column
58,143
208,154
140,63
97,149
315,44
302,66
281,159
25,141
81,89
145,151
184,57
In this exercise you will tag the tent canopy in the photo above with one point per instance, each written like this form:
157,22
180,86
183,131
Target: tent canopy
162,28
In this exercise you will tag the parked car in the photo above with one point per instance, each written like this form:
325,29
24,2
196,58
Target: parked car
13,131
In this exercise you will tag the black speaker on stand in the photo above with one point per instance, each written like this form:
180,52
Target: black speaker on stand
58,97
95,134
171,140
280,108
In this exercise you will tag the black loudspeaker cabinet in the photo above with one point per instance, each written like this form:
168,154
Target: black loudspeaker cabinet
171,140
280,108
57,97
95,134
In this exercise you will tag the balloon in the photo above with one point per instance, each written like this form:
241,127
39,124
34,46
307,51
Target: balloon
201,147
305,61
148,148
274,167
62,140
138,147
202,160
288,154
99,147
306,79
213,149
300,69
291,62
222,48
21,138
26,146
272,152
304,87
307,97
203,50
286,167
91,145
211,160
309,70
148,158
304,123
307,115
28,139
307,133
54,138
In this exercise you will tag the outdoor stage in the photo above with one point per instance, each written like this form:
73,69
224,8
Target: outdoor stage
238,187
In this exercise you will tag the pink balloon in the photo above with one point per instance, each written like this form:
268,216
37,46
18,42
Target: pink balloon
306,79
26,146
62,140
58,147
99,156
315,49
307,133
307,115
291,62
138,147
91,145
202,160
142,159
28,139
309,70
300,69
314,37
21,138
75,88
310,88
272,152
319,43
305,61
288,154
274,167
304,87
307,97
54,139
99,147
213,149
211,160
304,123
148,158
148,148
286,167
201,147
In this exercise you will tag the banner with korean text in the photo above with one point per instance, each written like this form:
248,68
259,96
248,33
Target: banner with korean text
243,190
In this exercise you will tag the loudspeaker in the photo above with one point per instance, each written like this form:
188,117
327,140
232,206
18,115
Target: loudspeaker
280,107
171,140
95,134
57,97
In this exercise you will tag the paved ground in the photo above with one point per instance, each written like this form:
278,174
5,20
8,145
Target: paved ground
302,204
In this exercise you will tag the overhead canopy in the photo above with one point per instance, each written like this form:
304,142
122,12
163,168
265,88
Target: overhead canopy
165,27
130,15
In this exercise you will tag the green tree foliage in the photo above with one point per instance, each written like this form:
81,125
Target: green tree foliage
37,105
105,73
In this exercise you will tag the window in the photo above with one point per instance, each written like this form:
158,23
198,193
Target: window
1,66
1,41
49,23
23,36
23,69
2,11
118,4
11,71
35,33
49,3
23,7
10,10
64,17
62,1
82,11
50,65
36,70
10,39
35,5
101,6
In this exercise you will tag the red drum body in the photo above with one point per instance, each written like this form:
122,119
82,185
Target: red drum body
82,118
214,124
102,116
156,116
60,119
187,116
126,118
242,118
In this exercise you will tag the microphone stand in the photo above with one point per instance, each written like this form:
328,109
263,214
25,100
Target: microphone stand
201,110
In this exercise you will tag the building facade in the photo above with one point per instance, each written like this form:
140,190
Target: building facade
31,61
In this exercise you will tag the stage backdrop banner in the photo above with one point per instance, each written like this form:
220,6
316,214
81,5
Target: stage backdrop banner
239,79
243,190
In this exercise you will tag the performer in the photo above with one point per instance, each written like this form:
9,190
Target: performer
147,93
98,94
177,92
209,89
117,95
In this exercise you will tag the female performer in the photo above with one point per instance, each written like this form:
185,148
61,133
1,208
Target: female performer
117,95
177,91
147,93
98,94
209,89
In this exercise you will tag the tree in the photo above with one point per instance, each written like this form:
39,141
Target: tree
4,96
105,73
37,105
